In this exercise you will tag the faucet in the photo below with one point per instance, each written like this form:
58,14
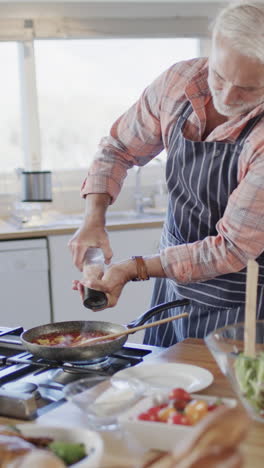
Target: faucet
141,202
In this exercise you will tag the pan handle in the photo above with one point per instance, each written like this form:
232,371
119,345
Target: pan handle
156,310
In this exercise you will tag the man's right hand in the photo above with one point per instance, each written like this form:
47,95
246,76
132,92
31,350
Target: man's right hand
92,232
89,235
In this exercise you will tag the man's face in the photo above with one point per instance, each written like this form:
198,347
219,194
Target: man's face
236,82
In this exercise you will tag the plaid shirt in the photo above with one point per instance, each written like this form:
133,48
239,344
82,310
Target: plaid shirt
144,131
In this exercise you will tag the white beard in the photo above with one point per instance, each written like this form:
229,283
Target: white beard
233,110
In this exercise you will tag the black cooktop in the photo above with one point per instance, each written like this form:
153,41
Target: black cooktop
30,386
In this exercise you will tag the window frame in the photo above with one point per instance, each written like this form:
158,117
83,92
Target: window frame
25,25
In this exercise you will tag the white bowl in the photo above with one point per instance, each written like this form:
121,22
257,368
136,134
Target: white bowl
92,440
158,435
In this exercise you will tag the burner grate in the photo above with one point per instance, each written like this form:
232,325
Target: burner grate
96,365
11,331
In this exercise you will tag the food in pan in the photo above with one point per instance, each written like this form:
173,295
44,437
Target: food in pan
69,339
179,407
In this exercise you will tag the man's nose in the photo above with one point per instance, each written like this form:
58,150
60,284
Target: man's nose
230,95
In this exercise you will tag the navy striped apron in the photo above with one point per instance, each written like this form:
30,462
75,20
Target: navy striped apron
200,177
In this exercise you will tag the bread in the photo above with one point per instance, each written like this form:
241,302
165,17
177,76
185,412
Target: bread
9,430
11,447
37,459
223,429
39,442
16,452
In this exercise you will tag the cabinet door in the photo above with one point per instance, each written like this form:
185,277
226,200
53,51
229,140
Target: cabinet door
136,296
25,295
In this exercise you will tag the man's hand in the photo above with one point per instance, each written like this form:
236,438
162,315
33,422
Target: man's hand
92,232
89,235
112,283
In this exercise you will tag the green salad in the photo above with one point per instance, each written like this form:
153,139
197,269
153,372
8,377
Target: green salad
250,377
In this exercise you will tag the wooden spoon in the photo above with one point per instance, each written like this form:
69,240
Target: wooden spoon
250,313
132,330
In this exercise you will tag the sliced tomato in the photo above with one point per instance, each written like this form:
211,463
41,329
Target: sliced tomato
196,410
179,404
165,413
154,411
159,407
213,406
179,394
152,414
143,416
179,418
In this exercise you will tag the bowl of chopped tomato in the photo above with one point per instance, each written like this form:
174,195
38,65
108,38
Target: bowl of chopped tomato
161,420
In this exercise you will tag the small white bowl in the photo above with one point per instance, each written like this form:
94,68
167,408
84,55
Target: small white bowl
92,440
158,435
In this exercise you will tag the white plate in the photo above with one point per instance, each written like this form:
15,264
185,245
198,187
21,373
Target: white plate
92,440
170,375
157,435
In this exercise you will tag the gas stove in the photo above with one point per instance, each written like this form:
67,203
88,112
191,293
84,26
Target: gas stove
30,386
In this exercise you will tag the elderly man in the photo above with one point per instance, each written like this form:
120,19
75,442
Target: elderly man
208,115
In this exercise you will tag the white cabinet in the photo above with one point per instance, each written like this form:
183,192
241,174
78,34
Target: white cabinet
24,279
136,296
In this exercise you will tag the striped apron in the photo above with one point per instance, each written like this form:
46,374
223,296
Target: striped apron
200,177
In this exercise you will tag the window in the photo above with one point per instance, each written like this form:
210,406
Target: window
11,155
84,85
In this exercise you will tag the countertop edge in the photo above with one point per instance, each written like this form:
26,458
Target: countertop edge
7,233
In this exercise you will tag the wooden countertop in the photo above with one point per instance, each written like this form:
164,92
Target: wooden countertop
190,351
7,231
195,352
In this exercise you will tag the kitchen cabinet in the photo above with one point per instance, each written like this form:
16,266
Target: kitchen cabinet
24,276
136,296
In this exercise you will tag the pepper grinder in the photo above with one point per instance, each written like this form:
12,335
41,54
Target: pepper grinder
94,264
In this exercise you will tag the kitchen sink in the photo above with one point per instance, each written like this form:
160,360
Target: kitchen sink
116,216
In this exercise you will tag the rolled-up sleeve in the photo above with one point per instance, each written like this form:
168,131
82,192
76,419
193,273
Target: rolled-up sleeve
135,138
142,132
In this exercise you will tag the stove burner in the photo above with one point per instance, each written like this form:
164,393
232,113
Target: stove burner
21,387
93,364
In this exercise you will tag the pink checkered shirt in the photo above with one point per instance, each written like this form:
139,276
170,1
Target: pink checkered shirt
144,131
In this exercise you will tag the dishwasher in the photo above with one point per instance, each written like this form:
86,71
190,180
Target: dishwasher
24,283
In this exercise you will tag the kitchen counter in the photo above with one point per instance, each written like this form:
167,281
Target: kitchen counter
68,224
190,351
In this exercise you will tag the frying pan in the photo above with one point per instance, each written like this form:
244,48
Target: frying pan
84,353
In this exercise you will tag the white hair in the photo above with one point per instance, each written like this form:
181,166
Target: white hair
243,23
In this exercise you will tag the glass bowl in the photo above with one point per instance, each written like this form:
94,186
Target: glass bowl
246,374
102,400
